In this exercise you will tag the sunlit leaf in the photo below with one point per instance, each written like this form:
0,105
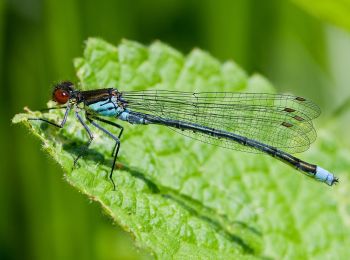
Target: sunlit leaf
187,200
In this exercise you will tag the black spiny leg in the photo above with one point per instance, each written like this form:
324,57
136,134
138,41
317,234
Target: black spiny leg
116,139
120,134
53,123
112,124
91,137
52,108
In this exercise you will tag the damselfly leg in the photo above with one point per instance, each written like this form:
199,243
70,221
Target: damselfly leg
68,108
115,138
91,137
61,125
52,108
121,128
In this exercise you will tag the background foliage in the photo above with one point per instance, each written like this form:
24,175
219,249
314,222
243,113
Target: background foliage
41,216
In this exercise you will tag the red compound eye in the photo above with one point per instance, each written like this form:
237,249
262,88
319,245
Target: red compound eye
61,96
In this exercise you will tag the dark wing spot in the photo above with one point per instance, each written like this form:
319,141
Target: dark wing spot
300,98
298,118
289,110
286,124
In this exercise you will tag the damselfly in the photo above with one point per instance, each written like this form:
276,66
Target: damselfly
273,124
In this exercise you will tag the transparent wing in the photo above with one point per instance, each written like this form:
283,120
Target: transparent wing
282,121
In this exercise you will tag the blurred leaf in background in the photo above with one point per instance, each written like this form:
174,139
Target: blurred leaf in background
333,11
336,13
41,216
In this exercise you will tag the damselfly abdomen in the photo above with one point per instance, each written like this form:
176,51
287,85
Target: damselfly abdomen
274,124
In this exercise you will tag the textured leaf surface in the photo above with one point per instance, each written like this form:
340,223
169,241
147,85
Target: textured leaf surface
183,199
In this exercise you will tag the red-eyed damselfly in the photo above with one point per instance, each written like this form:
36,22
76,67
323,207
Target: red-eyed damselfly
273,124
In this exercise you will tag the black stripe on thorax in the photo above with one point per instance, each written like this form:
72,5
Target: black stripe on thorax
92,96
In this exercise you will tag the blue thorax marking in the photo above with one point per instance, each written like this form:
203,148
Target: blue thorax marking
111,108
107,108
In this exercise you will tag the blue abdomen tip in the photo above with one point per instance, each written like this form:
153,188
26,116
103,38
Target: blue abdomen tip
325,176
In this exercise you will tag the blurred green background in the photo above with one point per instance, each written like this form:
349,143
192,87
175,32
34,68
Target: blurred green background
303,47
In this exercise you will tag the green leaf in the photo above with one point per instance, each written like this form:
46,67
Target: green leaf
183,199
332,11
